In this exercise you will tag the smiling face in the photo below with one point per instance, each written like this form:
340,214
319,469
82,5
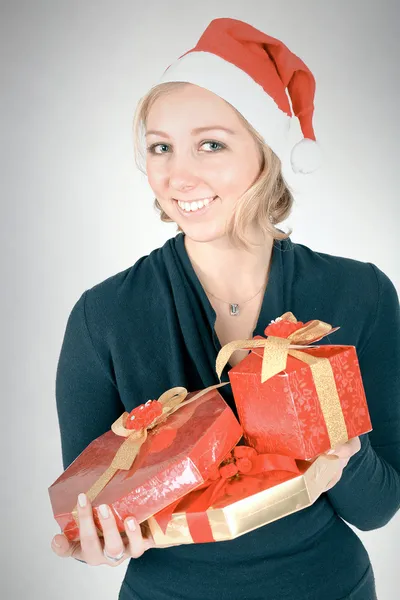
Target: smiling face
185,164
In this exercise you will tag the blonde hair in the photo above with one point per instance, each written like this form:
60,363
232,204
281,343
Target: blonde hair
267,202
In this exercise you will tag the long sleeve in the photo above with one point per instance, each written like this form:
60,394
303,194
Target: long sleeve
87,399
368,494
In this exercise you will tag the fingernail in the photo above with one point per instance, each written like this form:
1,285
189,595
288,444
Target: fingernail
131,524
331,451
104,510
82,500
56,544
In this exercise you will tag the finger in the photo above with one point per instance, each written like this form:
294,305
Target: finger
61,546
342,451
113,543
91,547
356,442
348,449
353,446
137,543
338,475
66,549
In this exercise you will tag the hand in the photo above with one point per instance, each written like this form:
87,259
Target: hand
344,452
90,547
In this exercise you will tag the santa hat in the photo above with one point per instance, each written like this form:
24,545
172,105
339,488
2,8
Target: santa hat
251,70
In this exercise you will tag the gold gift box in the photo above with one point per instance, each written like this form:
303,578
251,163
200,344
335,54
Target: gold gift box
240,517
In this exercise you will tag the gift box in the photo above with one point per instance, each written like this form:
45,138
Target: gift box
243,499
151,457
293,398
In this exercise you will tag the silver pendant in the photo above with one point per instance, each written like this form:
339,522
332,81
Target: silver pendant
234,309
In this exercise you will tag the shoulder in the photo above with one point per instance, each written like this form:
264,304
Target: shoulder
324,266
338,275
131,294
341,290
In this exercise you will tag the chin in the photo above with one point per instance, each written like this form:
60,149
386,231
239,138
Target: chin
203,232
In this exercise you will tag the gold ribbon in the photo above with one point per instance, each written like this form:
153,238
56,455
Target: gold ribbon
274,360
172,400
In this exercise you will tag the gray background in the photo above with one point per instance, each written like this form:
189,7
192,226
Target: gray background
75,210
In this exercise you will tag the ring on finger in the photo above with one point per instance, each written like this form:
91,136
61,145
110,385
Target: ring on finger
114,558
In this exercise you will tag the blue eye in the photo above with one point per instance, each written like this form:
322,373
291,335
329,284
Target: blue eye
221,146
152,149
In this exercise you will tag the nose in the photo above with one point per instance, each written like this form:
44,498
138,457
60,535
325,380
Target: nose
183,173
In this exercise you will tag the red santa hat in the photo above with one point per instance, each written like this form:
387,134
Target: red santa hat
251,70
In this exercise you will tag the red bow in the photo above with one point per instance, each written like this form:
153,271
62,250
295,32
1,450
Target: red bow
241,474
282,328
143,415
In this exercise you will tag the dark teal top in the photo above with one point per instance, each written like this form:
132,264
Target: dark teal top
151,327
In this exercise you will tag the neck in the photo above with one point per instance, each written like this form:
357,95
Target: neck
233,274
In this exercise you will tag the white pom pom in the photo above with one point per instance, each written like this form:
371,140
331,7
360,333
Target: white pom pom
306,156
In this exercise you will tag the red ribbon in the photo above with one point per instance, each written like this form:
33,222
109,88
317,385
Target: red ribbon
243,472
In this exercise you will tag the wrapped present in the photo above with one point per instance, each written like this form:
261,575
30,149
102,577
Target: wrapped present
293,398
250,491
151,457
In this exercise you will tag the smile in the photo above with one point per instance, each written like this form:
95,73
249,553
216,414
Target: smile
199,207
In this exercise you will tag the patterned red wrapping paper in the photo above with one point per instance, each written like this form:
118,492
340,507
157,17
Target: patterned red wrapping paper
297,400
177,456
283,415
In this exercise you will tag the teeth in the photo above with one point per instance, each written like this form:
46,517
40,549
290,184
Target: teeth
193,206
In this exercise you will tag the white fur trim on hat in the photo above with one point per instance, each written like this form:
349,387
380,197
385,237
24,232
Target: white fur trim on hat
234,85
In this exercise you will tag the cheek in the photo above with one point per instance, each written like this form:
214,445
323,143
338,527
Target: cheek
236,178
155,176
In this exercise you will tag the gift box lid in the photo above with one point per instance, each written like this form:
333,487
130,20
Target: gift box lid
251,362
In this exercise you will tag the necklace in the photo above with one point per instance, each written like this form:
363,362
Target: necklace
234,307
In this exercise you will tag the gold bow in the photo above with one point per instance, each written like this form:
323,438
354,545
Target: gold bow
172,400
274,360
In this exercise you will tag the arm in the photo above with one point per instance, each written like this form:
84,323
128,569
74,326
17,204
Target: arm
87,398
368,494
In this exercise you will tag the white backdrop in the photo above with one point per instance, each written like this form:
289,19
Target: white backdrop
75,210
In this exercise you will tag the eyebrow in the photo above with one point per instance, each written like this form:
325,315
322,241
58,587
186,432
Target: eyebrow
194,131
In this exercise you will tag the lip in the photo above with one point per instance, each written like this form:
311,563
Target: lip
198,212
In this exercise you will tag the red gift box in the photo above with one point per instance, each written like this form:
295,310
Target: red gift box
308,399
172,456
249,491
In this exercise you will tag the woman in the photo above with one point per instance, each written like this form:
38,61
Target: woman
214,130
